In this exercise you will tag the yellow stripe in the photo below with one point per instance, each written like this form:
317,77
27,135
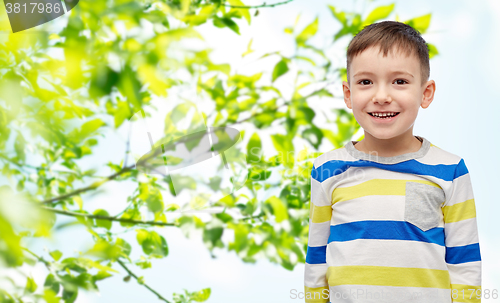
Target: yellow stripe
388,276
460,211
320,214
375,187
316,295
470,294
434,145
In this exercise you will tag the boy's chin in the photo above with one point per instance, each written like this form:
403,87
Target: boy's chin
385,136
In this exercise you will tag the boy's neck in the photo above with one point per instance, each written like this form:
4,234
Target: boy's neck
406,143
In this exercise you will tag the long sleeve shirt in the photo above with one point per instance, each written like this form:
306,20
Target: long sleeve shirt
392,229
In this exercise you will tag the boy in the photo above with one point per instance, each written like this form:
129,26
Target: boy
392,217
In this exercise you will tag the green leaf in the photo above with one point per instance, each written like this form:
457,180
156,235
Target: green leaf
122,113
52,283
243,11
378,13
224,217
254,149
101,275
101,222
249,49
284,146
143,264
307,33
304,113
258,174
19,146
202,16
132,214
279,208
50,296
202,295
280,69
56,255
241,240
433,51
129,86
124,246
226,22
420,23
313,135
102,81
70,295
154,201
88,128
212,235
340,16
152,243
30,285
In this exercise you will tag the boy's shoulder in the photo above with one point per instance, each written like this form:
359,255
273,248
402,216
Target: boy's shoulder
437,155
337,154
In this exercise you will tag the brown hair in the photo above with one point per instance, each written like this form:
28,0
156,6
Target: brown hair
387,35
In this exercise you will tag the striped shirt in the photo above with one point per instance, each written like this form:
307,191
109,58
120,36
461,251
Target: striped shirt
392,229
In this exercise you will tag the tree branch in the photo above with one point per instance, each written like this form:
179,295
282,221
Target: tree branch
106,179
74,214
90,187
140,282
257,6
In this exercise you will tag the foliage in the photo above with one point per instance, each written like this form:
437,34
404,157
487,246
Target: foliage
60,94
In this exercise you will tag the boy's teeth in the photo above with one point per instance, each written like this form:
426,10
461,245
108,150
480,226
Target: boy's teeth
384,114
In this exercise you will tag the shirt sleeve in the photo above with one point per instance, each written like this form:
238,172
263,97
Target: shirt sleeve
316,284
463,257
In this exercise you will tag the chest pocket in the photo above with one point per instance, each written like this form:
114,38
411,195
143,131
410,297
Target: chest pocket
423,205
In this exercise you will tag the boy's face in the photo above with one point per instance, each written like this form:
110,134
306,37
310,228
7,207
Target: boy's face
389,84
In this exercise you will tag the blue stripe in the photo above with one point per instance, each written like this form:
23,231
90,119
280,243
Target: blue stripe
463,254
385,230
446,172
461,169
316,255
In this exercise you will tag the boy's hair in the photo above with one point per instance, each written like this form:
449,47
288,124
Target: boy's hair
389,34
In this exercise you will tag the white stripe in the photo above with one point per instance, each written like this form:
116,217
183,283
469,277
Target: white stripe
461,233
466,273
373,207
387,294
395,253
315,275
438,156
462,190
318,233
339,154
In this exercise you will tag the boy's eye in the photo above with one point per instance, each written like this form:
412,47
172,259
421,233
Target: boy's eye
401,81
364,82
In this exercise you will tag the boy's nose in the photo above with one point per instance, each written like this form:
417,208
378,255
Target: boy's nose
382,96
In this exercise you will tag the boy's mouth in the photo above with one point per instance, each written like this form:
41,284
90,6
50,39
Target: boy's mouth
383,115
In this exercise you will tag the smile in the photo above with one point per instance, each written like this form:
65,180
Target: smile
386,115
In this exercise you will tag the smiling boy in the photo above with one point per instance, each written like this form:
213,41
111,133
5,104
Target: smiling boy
392,217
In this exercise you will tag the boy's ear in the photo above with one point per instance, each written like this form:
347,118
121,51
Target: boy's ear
428,93
347,94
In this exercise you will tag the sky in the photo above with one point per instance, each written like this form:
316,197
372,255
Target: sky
461,119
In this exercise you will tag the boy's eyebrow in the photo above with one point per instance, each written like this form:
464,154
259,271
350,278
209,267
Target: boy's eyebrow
393,73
